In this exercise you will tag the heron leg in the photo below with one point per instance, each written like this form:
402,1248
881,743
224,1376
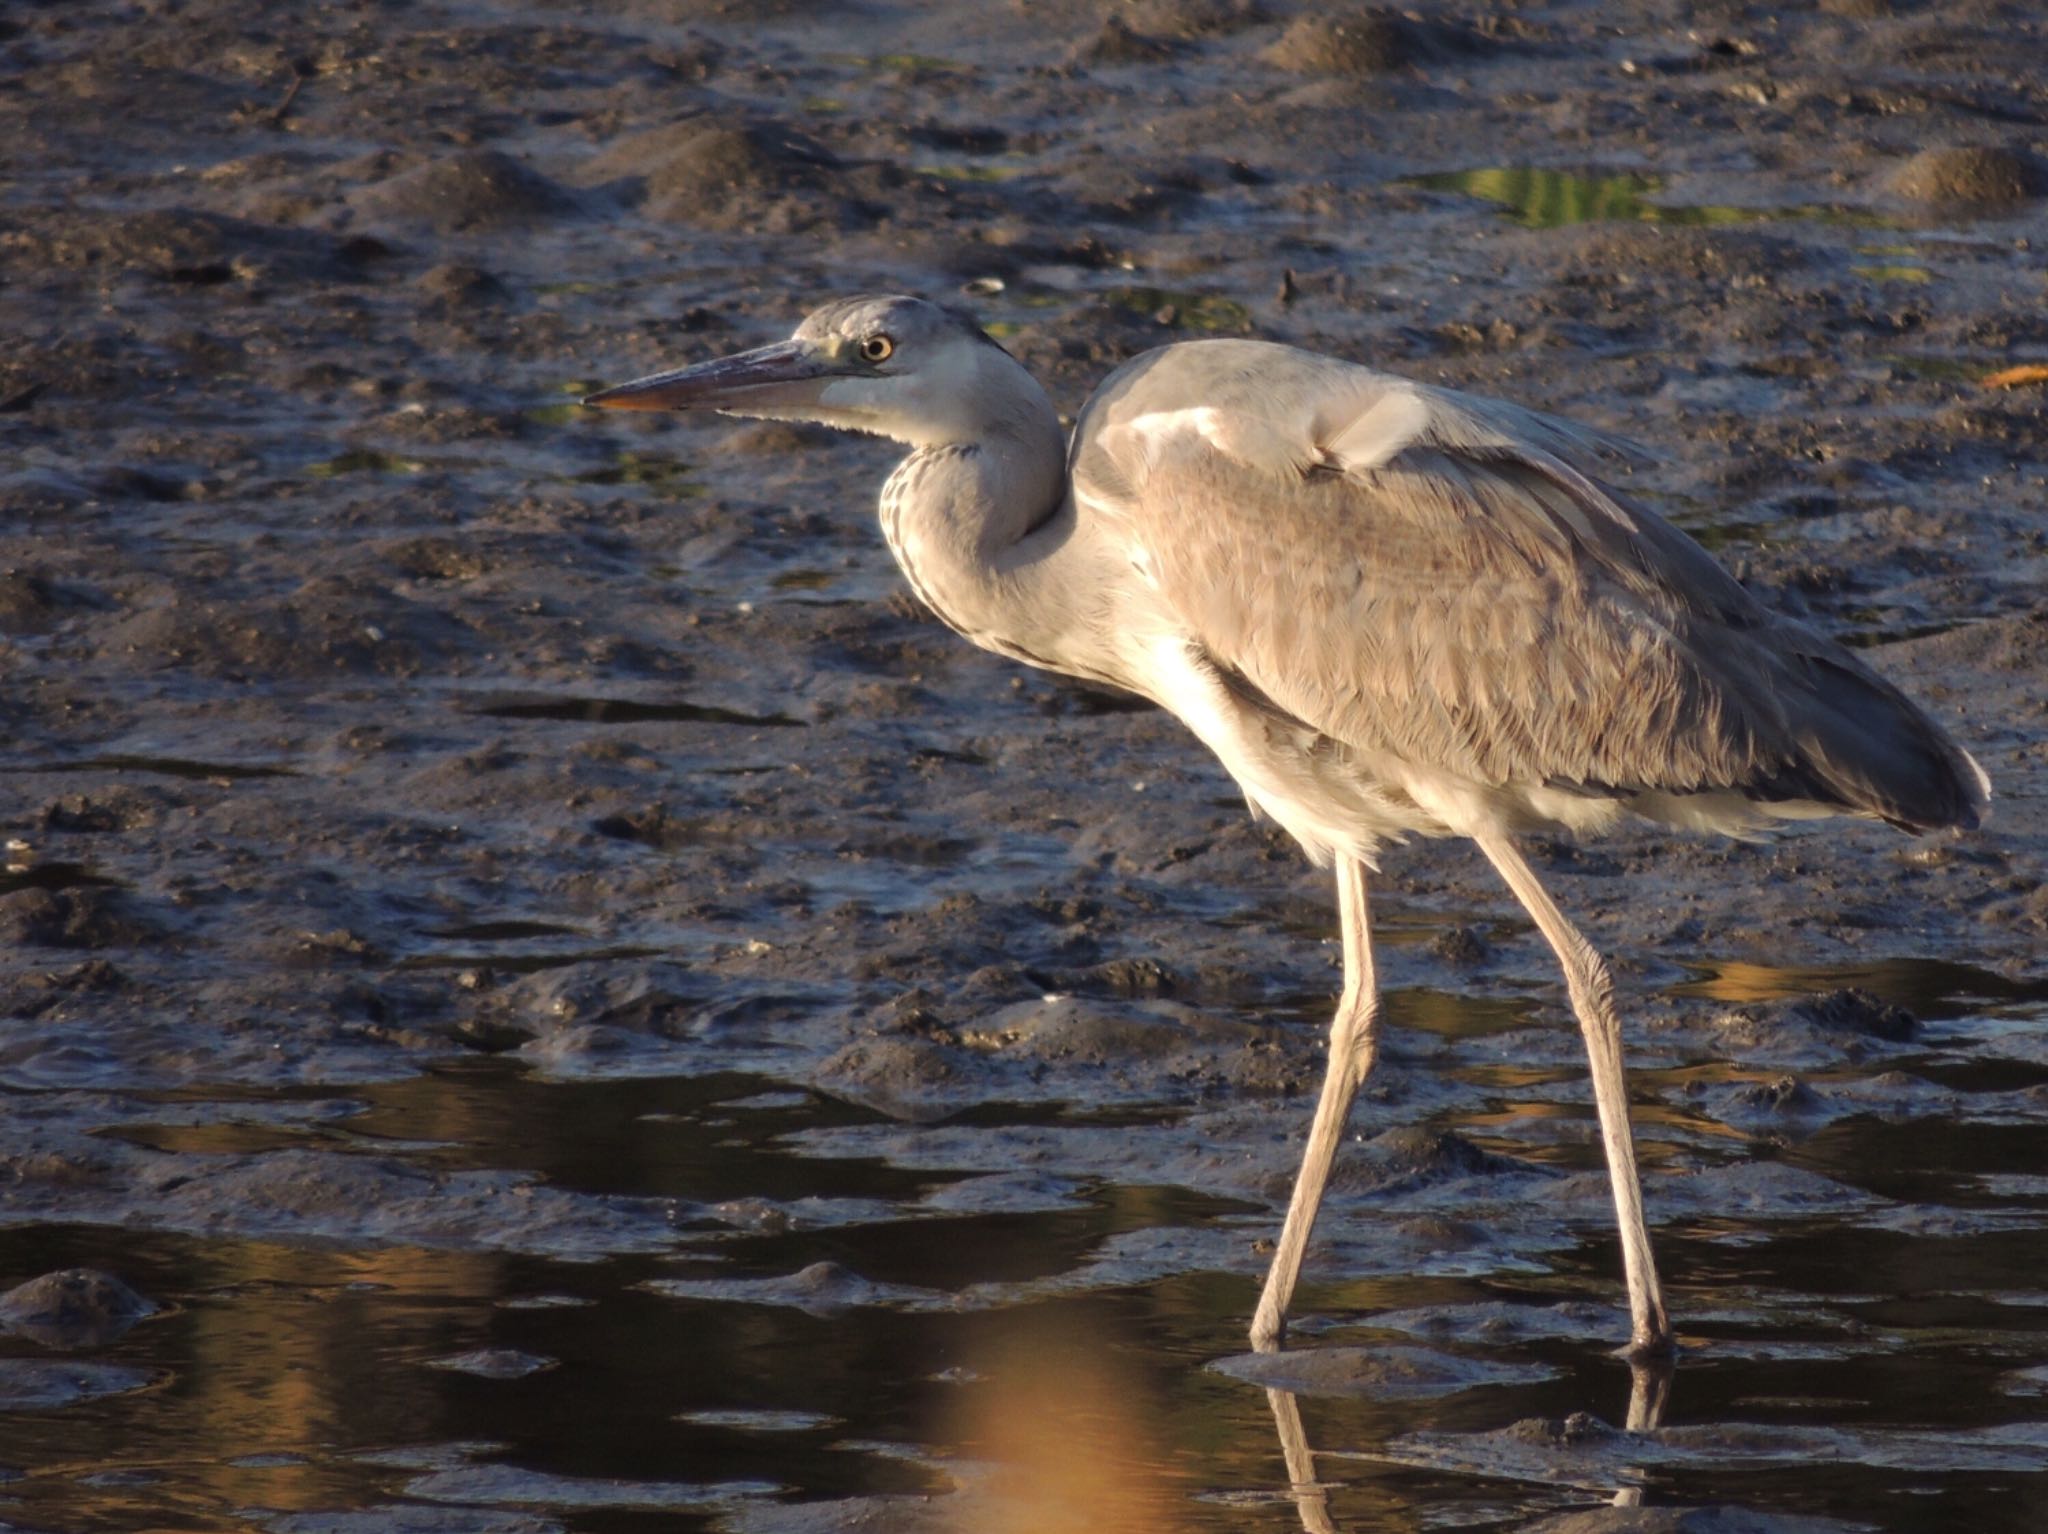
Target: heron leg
1592,996
1352,1045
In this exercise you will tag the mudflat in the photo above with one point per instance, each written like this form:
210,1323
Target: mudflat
494,885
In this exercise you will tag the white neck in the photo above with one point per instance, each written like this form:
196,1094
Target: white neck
975,524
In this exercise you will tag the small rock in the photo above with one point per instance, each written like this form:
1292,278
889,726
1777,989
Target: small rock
1976,176
435,558
1786,1093
1461,945
718,175
103,810
1116,43
909,1079
1186,20
1575,1431
1857,1011
1420,1155
34,1384
72,1308
460,286
75,918
494,1363
1683,1520
1359,43
479,189
29,603
1381,1371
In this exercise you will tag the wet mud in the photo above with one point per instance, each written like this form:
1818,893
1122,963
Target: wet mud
539,990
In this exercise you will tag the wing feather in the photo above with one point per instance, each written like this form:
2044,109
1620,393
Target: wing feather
1434,579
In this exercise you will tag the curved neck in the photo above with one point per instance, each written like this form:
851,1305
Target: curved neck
961,517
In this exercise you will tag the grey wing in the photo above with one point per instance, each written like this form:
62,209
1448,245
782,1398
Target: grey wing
1433,580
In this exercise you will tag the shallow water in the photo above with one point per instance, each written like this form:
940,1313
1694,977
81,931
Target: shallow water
1007,1351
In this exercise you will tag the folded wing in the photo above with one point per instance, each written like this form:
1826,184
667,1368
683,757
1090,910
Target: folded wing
1436,579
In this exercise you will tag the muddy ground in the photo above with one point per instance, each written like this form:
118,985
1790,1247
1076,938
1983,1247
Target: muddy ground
375,717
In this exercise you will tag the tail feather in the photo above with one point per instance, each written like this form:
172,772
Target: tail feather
1872,750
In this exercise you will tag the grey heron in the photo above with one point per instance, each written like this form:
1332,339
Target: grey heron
1390,609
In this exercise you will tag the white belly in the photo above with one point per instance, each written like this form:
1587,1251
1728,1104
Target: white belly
1335,798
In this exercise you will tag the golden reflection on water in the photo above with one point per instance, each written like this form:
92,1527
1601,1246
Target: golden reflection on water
1922,985
280,1357
281,1362
1736,982
1067,1427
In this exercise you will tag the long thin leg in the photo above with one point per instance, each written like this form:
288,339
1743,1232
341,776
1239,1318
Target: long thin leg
1351,1053
1592,995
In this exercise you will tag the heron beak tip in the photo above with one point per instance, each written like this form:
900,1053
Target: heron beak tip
764,374
617,399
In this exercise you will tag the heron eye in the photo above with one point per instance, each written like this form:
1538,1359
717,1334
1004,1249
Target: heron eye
877,348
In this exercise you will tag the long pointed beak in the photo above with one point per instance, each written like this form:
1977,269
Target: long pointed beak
788,372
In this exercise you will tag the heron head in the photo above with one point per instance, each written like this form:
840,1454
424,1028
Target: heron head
895,366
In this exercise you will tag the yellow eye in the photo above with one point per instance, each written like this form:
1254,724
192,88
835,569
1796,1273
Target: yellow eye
877,348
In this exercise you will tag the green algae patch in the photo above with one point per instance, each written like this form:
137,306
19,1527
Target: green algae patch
363,461
1552,199
651,471
1183,310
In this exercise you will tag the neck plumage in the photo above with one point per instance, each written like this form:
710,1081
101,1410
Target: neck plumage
966,521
